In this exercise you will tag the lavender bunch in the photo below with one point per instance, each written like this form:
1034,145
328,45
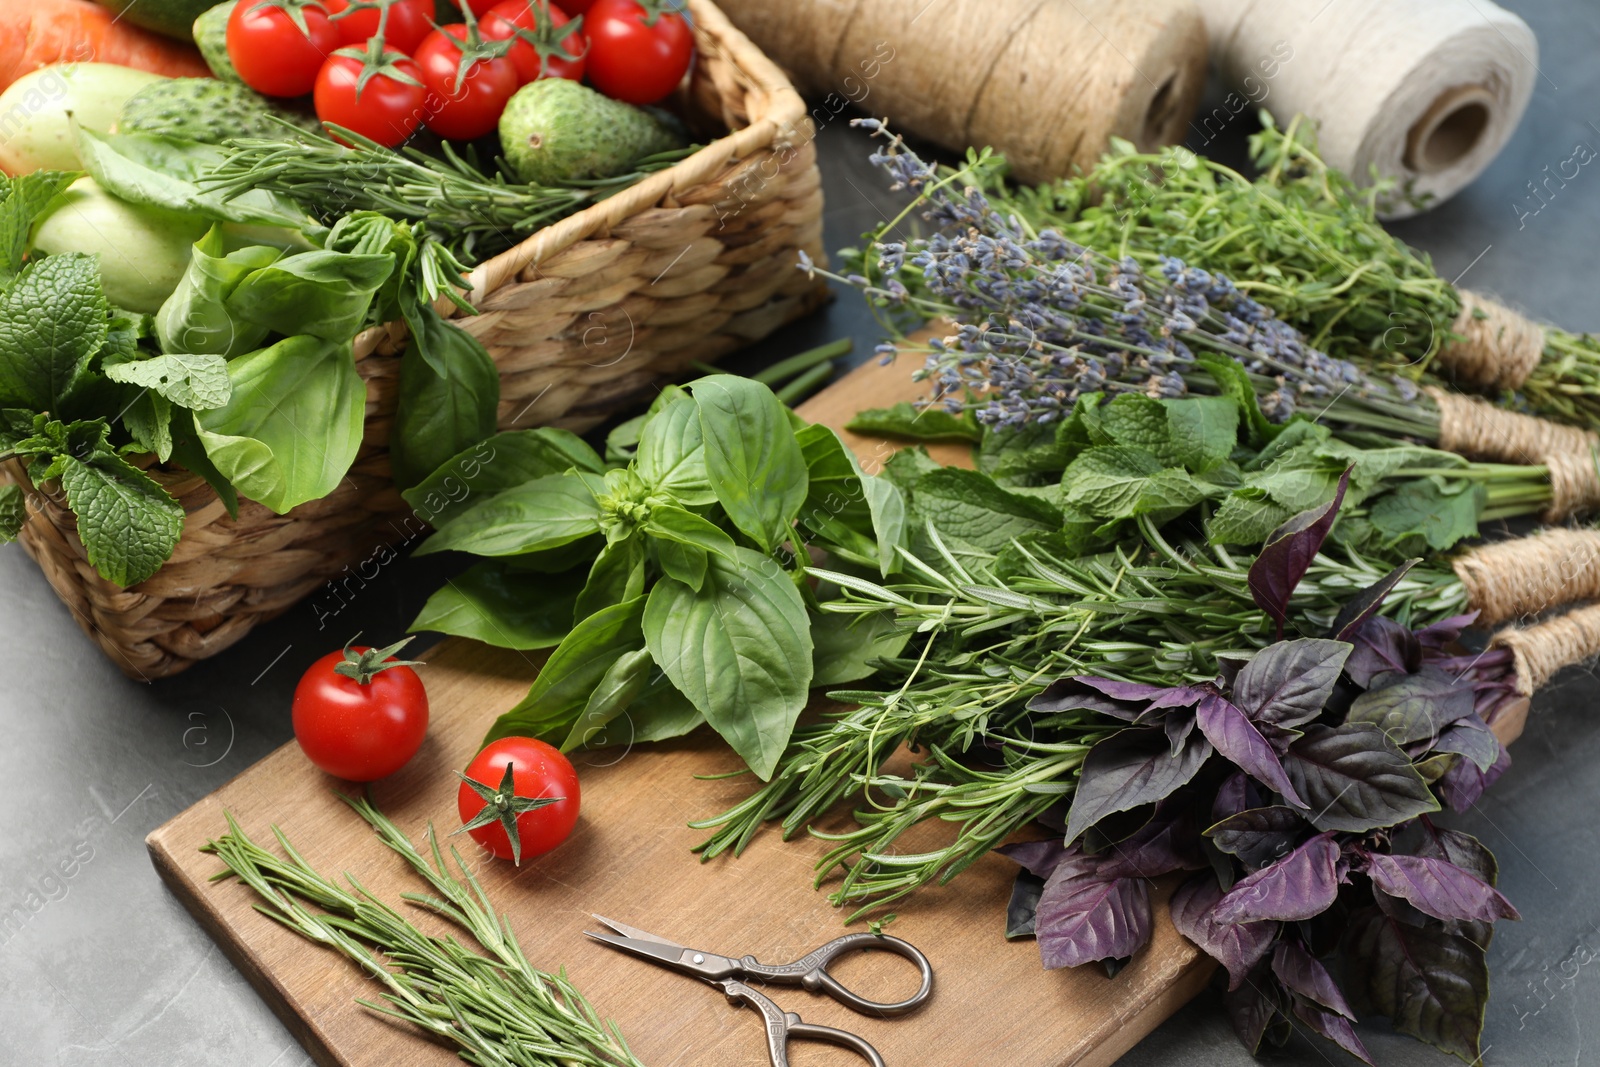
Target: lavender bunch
1040,321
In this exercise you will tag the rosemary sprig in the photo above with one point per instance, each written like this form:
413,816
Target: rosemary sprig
493,1005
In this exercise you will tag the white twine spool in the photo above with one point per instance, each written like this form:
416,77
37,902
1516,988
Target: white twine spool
1427,90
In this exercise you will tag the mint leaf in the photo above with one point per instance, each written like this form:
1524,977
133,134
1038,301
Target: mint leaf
1233,382
1424,508
21,200
972,508
1107,481
52,320
1139,422
196,382
13,512
1245,520
148,420
907,422
1203,430
128,524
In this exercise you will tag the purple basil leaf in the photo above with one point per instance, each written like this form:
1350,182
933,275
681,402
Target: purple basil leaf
1364,605
1022,909
1251,1010
1382,645
1432,983
1289,682
1438,888
1129,769
1233,796
1288,553
1302,884
1166,843
1228,666
1237,946
1037,857
1354,778
1445,632
1463,784
1260,837
1398,910
1414,707
1302,973
1457,847
1236,737
1470,738
1121,700
1083,917
1178,728
1331,1026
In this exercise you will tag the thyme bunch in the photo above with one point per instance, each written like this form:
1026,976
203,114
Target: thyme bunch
491,1003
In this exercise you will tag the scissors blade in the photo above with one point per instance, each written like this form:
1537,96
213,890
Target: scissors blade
634,932
666,954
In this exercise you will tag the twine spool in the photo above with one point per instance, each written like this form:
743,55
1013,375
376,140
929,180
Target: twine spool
1498,348
1047,82
1527,575
1476,428
1543,649
1428,91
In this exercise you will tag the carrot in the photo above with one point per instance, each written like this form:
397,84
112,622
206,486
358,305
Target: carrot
36,33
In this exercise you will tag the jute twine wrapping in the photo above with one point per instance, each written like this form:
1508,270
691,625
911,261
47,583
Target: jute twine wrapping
1527,575
1426,91
1574,484
1543,649
583,319
1498,347
1047,82
1474,427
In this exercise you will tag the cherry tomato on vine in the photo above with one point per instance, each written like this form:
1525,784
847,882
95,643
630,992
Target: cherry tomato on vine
638,49
409,21
360,714
519,798
479,7
463,107
378,96
576,7
543,20
272,54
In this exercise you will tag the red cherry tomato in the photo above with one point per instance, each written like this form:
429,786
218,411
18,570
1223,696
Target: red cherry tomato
270,52
360,730
542,782
472,108
409,21
545,20
631,61
576,7
387,109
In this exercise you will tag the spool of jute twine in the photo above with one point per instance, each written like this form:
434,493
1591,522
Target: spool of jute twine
1527,575
1426,91
1474,427
1047,82
1495,348
1540,651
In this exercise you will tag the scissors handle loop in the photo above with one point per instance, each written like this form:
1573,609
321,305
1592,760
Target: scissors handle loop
811,972
782,1026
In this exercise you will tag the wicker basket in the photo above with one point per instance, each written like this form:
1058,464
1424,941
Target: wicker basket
583,318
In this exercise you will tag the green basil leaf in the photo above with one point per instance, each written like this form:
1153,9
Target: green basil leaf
13,511
840,494
189,453
617,576
740,649
907,422
569,677
617,689
198,382
661,712
670,457
293,423
442,414
685,527
53,319
502,462
755,465
128,524
163,171
538,515
686,563
846,646
196,318
322,293
501,605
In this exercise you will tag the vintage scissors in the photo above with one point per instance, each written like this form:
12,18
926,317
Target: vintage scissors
810,972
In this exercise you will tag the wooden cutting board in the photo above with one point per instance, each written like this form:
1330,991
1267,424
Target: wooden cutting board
630,860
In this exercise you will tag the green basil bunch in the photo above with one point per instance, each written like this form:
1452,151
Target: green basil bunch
667,580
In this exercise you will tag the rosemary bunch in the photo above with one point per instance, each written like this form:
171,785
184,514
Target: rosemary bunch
994,630
474,214
493,1005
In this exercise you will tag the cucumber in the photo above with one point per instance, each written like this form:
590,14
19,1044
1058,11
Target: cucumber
211,37
555,131
175,18
206,109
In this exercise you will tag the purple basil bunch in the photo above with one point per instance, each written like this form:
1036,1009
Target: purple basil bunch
1298,784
